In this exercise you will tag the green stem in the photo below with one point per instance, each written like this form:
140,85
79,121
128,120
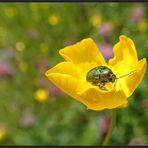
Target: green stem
111,127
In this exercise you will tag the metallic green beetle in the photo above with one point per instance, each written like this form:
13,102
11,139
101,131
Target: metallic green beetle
101,75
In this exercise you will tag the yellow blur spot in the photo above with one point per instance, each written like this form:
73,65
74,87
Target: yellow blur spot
23,66
20,46
41,95
10,11
142,25
53,19
96,20
44,47
2,133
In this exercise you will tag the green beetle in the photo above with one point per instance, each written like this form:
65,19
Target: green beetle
101,75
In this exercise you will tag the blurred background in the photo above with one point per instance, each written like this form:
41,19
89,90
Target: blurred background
35,112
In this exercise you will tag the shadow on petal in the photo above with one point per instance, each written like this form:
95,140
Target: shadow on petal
97,99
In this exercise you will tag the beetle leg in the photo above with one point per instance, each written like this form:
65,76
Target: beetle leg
102,86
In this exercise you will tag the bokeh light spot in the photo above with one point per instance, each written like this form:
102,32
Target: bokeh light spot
20,46
41,95
53,19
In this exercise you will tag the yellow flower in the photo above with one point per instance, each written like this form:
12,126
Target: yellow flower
96,20
41,95
142,25
70,75
20,46
53,19
2,133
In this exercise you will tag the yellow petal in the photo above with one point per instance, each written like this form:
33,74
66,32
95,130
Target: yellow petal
85,51
125,56
66,83
125,61
97,100
84,54
130,83
65,75
64,68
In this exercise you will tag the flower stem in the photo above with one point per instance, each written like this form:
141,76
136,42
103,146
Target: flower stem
111,127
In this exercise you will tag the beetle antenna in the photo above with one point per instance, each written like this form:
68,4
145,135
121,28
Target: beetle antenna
126,74
122,77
